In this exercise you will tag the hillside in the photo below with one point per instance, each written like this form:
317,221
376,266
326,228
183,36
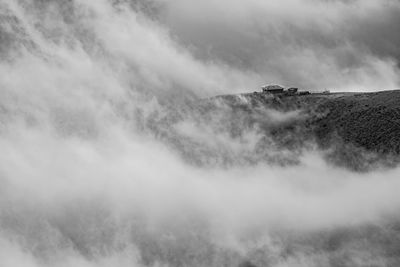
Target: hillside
357,130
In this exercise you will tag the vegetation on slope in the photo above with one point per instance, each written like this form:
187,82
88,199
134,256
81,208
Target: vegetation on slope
359,131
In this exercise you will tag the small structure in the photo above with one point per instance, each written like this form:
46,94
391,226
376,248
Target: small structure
273,89
304,93
292,90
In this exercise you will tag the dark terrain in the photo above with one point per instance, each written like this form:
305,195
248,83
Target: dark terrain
359,131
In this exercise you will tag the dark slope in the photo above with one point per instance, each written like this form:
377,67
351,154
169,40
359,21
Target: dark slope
357,130
369,120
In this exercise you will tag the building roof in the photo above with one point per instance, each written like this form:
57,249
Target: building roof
272,87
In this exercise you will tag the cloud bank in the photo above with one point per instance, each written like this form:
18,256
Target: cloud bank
94,94
342,45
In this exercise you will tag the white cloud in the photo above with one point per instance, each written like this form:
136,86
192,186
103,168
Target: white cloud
86,180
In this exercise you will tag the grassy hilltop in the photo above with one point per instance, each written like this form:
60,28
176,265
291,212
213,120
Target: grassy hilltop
358,130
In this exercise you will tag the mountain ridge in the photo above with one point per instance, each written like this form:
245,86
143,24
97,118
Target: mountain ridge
358,129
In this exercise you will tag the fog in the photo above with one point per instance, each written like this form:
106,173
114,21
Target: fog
106,162
338,45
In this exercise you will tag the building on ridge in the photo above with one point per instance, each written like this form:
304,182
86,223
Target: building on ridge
273,89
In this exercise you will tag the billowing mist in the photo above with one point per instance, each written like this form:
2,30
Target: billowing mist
106,159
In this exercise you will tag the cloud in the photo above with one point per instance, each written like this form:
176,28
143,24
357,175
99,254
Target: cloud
94,101
346,45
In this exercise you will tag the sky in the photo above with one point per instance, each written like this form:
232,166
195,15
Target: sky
212,47
339,45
